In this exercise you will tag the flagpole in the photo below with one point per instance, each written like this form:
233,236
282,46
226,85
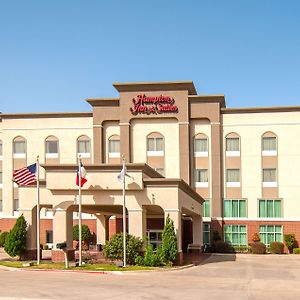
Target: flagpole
124,215
38,211
79,210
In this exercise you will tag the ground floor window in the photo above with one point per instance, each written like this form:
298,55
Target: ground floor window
49,236
154,238
206,233
206,208
236,235
270,233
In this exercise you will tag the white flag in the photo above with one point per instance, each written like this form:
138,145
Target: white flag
123,173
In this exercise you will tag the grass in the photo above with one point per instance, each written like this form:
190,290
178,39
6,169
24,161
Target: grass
85,267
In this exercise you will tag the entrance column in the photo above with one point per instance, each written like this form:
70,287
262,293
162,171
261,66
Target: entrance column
197,230
175,216
63,232
137,222
101,229
30,217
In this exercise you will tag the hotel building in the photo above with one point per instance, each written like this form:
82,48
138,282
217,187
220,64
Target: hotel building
209,167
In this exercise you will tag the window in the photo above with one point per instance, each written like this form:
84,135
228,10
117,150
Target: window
232,144
155,144
154,238
206,233
201,147
1,178
84,146
51,147
269,143
201,178
233,177
206,208
16,204
236,235
114,147
269,178
234,208
269,209
19,147
270,233
49,236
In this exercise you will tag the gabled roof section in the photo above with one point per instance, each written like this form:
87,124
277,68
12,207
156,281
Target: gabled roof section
156,86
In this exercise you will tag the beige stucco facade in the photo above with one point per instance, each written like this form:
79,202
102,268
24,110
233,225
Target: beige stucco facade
178,118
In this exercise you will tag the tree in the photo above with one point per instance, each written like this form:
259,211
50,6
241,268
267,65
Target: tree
15,243
290,241
85,233
169,242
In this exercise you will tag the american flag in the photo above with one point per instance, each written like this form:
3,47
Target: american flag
25,176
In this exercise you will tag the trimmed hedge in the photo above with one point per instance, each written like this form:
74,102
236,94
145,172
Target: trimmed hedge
258,248
241,249
3,236
276,247
290,241
296,251
222,247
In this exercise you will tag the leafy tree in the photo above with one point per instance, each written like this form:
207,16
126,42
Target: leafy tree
3,236
290,241
85,233
114,248
169,242
15,243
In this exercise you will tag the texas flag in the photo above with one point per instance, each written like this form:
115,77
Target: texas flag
83,175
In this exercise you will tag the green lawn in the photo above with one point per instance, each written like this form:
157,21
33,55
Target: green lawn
87,267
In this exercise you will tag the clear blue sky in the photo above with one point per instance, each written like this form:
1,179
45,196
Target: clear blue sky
54,54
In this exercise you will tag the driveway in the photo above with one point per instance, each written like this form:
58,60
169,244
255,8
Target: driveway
240,276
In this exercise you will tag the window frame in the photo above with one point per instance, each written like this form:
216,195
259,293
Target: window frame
235,152
19,140
51,154
87,141
268,152
239,232
154,151
201,184
267,232
200,153
269,183
206,233
273,208
114,154
233,183
238,208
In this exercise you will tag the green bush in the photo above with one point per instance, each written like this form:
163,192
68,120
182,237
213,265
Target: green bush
258,248
114,248
85,233
216,236
296,251
223,247
276,247
15,243
3,236
151,258
169,242
290,241
241,249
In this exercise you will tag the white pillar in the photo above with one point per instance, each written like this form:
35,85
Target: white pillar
63,227
137,222
101,229
197,230
30,217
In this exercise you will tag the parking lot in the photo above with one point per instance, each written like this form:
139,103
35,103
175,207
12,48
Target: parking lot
221,276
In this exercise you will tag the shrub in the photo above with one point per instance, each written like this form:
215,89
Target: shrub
85,233
241,249
223,247
255,237
290,241
296,251
114,248
3,236
169,242
276,247
15,243
151,258
258,248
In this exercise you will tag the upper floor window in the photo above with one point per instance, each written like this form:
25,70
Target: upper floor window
200,145
51,147
269,208
269,144
19,147
201,178
269,178
84,146
114,146
234,208
1,179
233,177
155,144
206,208
232,144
